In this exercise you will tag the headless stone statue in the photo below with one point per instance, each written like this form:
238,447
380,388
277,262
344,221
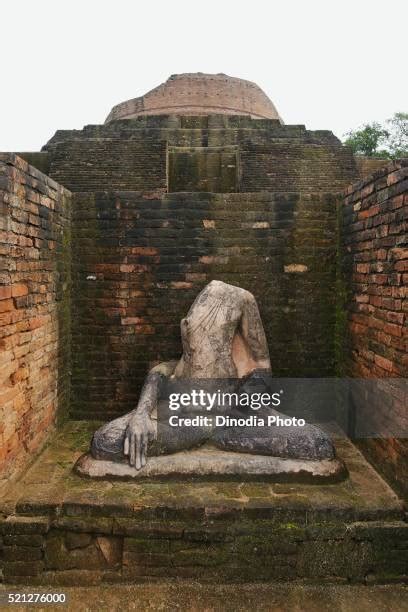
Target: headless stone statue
223,338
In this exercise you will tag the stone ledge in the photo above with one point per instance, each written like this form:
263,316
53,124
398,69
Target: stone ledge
249,551
58,528
208,463
50,488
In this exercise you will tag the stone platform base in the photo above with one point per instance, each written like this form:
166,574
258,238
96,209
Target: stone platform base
57,528
209,463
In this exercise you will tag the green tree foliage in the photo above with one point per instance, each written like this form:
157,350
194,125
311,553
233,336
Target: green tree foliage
398,135
376,140
367,139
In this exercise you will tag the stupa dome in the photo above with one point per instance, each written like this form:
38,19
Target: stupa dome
199,94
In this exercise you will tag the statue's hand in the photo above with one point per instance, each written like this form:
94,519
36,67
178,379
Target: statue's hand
139,432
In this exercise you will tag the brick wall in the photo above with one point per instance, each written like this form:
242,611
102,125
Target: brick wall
375,242
140,260
199,94
368,165
131,154
34,309
94,164
214,169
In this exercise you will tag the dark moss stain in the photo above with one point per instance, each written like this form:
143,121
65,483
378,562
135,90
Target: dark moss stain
203,169
64,289
343,297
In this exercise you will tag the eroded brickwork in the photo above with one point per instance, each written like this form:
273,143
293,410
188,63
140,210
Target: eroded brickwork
34,309
366,166
199,94
94,550
375,240
140,260
133,154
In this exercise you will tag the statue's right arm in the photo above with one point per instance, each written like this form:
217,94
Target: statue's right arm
141,429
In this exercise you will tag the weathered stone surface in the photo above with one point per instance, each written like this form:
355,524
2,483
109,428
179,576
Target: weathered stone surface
210,463
81,524
154,530
98,506
101,552
23,540
77,540
111,549
27,569
22,553
24,525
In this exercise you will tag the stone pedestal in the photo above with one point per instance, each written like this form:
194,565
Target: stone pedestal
208,463
57,528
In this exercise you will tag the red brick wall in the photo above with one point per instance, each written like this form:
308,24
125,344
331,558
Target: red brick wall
375,214
199,94
34,309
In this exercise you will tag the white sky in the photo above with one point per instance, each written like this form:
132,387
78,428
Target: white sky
329,64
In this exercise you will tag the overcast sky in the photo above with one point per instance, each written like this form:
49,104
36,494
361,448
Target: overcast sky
329,64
